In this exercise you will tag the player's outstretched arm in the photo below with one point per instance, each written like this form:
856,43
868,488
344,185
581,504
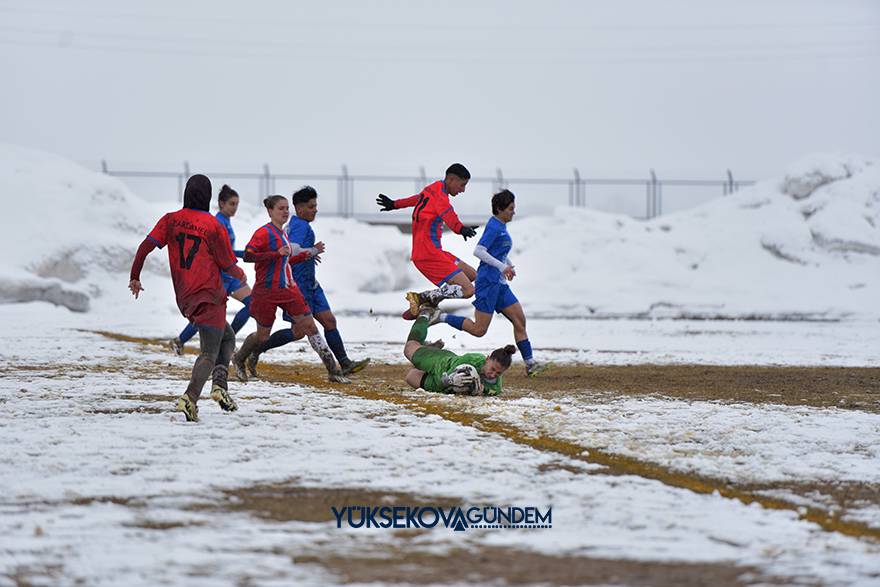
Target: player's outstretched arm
386,204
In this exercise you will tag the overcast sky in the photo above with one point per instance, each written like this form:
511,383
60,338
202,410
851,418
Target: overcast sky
688,87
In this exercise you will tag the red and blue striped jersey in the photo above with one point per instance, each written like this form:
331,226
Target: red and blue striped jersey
273,271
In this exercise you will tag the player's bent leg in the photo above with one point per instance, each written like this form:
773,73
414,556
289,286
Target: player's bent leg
468,271
517,317
210,339
464,282
334,340
414,378
220,374
251,343
410,348
319,345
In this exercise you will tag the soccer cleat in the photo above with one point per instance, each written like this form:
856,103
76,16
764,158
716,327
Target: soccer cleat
407,315
222,397
176,346
251,364
240,372
432,313
188,407
535,368
337,377
352,367
415,301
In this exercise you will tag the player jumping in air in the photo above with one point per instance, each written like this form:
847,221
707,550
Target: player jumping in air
227,201
431,209
274,287
300,233
442,371
493,294
198,251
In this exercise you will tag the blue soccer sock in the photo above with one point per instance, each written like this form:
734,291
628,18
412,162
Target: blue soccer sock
188,332
456,322
279,338
242,317
525,347
334,341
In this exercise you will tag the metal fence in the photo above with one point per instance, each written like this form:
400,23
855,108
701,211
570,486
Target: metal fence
355,194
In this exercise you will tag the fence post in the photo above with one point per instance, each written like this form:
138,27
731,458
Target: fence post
104,169
730,189
651,197
578,200
499,179
423,179
341,198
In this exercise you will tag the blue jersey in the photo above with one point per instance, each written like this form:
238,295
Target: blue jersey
300,232
226,222
498,243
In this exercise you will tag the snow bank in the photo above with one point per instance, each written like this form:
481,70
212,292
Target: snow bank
805,245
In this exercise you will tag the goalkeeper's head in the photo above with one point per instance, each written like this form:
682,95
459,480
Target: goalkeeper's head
498,362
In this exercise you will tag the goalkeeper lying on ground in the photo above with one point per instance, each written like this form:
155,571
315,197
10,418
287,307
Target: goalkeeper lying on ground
443,371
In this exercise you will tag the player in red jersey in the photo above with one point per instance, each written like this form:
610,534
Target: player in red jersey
275,288
198,251
432,209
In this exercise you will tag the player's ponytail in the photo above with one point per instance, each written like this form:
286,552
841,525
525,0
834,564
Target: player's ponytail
271,201
226,192
502,200
502,355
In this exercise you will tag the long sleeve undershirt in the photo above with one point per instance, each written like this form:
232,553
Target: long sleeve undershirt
482,253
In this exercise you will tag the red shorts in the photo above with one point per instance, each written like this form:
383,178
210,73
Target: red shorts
439,267
266,302
209,314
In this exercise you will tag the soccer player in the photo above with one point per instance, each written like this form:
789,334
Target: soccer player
198,252
432,209
227,201
436,369
274,287
493,294
300,233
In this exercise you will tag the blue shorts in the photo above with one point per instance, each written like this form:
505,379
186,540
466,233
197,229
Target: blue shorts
316,300
232,284
493,297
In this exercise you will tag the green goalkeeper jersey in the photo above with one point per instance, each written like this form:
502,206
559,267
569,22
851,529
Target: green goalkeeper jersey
437,362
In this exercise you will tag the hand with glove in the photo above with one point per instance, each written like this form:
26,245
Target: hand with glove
468,231
386,204
465,379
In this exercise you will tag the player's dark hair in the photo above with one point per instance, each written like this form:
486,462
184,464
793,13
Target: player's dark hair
226,192
197,194
502,200
503,355
271,201
458,170
304,194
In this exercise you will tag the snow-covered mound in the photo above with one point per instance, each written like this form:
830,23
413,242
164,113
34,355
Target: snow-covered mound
70,234
803,246
806,245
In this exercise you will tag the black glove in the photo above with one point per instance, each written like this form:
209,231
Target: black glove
385,203
468,231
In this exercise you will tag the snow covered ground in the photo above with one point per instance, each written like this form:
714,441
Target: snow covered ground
100,483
